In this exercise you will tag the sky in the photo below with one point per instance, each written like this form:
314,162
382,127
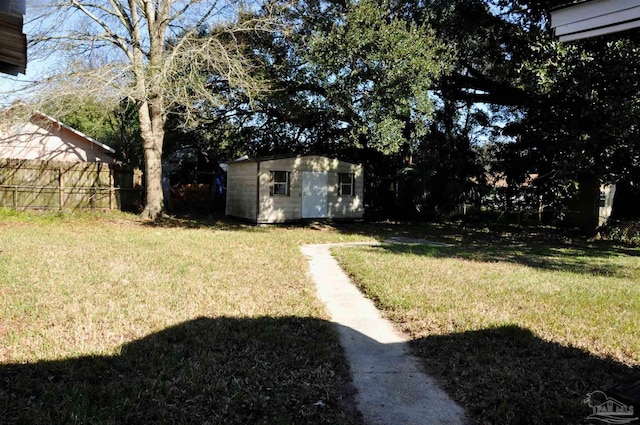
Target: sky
36,21
10,85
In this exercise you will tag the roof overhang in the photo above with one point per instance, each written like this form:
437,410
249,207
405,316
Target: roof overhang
595,17
102,146
13,42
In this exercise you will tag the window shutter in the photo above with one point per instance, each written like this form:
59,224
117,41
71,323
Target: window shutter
288,183
353,184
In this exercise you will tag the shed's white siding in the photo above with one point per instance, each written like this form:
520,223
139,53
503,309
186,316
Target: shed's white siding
242,189
261,206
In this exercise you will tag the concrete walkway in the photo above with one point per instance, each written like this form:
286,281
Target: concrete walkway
392,388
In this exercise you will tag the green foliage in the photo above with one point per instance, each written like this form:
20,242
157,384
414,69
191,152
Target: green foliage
622,231
356,74
378,68
116,127
561,111
352,80
581,121
85,114
460,88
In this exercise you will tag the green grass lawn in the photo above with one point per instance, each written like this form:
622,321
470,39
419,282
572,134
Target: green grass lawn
519,328
105,319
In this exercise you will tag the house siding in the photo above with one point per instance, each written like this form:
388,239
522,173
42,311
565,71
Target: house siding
280,208
35,141
283,208
242,185
346,206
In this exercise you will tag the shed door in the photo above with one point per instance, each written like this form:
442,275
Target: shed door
314,194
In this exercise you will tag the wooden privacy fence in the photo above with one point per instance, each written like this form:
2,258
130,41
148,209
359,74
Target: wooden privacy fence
35,184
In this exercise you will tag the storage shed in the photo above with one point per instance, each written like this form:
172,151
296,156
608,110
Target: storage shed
277,190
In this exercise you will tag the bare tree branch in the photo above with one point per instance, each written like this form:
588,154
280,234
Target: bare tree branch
163,62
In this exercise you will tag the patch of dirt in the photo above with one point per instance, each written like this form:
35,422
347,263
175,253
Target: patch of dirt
318,225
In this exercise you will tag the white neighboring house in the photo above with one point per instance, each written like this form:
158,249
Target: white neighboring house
593,18
47,139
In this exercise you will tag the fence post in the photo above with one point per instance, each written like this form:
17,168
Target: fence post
61,186
96,184
112,192
15,197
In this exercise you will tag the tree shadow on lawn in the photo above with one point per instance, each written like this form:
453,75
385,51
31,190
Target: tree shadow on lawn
222,222
291,371
543,248
202,221
582,259
205,371
469,234
507,375
490,236
453,232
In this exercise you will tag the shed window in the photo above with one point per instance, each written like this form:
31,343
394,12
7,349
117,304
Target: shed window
346,184
280,183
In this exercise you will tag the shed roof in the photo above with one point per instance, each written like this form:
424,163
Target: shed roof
245,158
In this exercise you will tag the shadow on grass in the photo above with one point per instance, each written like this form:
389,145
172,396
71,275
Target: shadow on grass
222,222
575,258
486,235
507,375
291,371
538,247
205,371
198,221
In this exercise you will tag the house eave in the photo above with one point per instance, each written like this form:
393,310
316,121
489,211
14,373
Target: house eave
13,42
77,133
594,18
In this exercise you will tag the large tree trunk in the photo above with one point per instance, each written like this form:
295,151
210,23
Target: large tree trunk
154,205
152,132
